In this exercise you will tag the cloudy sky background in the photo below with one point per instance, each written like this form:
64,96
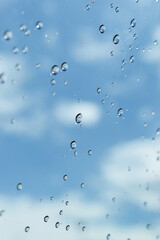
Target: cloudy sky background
122,176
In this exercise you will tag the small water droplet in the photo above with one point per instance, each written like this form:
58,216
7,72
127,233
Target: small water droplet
116,39
135,36
53,81
51,198
98,90
25,50
87,7
7,35
22,27
18,66
75,153
120,112
27,32
108,237
148,226
158,131
57,224
111,53
46,218
89,152
78,118
83,228
82,185
73,144
27,229
155,42
67,227
133,23
65,177
60,212
15,50
55,70
117,9
39,25
102,29
19,186
132,59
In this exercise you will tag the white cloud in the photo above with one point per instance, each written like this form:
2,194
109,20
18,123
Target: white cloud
140,157
65,112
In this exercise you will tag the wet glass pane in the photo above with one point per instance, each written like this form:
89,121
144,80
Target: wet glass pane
79,119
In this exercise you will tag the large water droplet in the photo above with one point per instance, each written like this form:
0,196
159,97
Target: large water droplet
64,66
102,29
55,70
116,39
7,35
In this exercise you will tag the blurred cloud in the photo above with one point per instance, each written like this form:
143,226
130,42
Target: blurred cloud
133,168
65,112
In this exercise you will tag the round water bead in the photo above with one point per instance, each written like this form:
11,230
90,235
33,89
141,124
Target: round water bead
116,39
102,29
83,228
78,118
82,185
133,23
64,66
60,212
158,131
15,50
120,112
22,27
7,35
55,70
87,7
89,152
53,81
65,177
57,224
25,50
46,218
108,237
73,144
67,227
132,59
39,25
27,229
98,90
19,186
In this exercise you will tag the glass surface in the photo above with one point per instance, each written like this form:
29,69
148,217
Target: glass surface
79,119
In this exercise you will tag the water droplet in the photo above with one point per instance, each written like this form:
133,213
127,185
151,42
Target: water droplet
89,152
67,227
108,237
22,27
111,5
64,66
120,112
53,81
39,25
7,35
19,186
133,23
46,218
15,50
87,7
25,50
73,144
12,121
148,226
155,42
111,53
135,36
65,177
103,101
38,65
55,70
98,90
130,47
27,32
57,224
145,124
82,185
18,66
53,93
117,9
75,153
3,78
51,198
132,59
116,39
60,212
78,118
83,228
158,131
102,29
27,229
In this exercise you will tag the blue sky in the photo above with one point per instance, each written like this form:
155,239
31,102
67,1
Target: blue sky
35,150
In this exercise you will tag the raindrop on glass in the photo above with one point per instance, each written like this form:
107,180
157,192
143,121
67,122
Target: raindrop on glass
22,27
18,66
83,228
98,90
158,131
120,112
39,25
46,218
102,29
57,224
15,50
64,66
67,227
108,237
19,186
78,118
87,7
7,35
117,9
27,32
60,212
82,185
27,229
65,177
53,81
89,152
116,39
133,23
25,50
73,144
55,70
132,59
